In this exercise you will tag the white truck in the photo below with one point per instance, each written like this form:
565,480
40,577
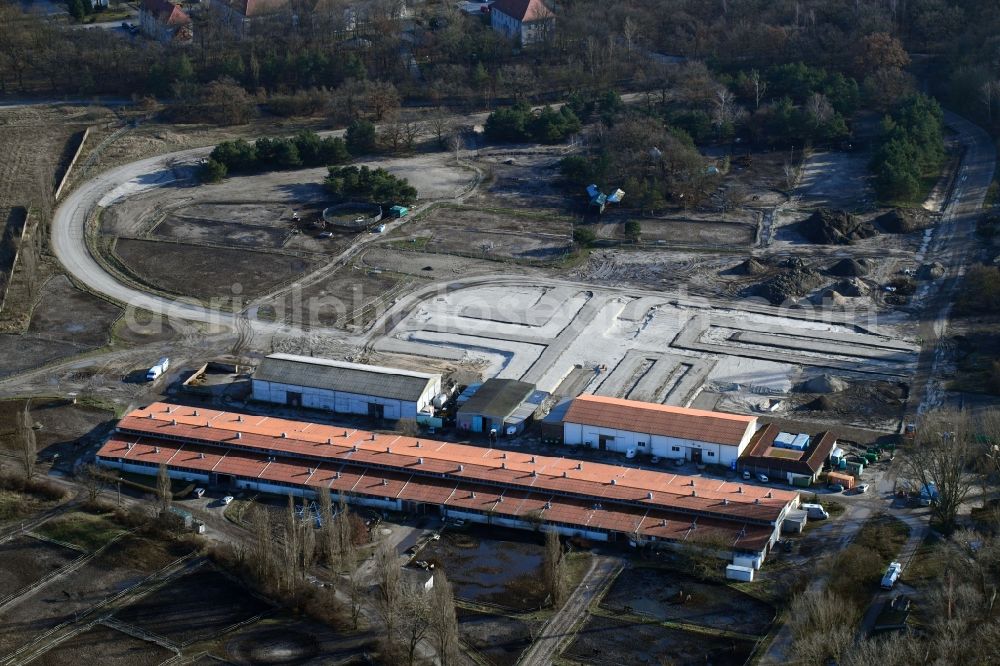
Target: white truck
815,511
891,575
158,369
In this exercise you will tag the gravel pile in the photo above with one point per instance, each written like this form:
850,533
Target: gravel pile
835,227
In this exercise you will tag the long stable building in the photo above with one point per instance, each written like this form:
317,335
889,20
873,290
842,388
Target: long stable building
487,485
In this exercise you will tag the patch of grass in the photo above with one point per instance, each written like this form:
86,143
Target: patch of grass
86,530
929,563
415,244
860,566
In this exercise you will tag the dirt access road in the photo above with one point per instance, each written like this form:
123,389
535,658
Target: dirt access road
559,628
953,244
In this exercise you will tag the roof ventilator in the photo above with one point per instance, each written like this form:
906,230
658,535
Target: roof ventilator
329,440
388,450
345,433
461,468
239,418
503,456
201,455
532,459
694,493
534,473
284,435
173,421
373,437
663,522
150,416
420,461
564,474
194,413
239,435
548,505
503,465
756,500
579,465
725,502
768,494
649,495
740,490
354,449
613,482
385,482
156,449
472,495
417,444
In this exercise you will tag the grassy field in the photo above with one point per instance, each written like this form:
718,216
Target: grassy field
86,530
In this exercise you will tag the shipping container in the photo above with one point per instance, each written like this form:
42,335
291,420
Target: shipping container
735,572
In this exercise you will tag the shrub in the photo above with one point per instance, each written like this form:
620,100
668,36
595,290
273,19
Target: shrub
372,185
360,137
584,236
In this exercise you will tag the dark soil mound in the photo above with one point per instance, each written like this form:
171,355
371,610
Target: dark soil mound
835,227
852,287
273,646
820,404
789,285
902,221
849,268
750,267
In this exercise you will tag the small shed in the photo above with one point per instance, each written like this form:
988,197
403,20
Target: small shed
398,211
497,405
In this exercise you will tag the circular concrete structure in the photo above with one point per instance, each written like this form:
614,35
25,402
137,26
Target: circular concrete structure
353,216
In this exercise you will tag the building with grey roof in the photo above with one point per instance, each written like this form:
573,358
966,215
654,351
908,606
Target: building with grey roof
502,404
344,388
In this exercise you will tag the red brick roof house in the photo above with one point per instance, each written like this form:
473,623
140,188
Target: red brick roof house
165,22
525,21
241,15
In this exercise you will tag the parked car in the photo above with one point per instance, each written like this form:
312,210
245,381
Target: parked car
862,489
835,488
655,460
762,478
198,493
679,462
227,500
630,453
326,234
746,476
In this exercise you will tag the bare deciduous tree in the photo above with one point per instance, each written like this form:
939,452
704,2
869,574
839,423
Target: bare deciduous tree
554,568
389,592
415,619
93,480
942,457
164,491
26,445
443,621
759,86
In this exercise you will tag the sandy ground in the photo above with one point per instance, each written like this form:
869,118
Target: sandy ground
544,335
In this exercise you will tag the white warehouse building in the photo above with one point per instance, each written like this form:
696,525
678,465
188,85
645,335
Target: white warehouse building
701,436
344,388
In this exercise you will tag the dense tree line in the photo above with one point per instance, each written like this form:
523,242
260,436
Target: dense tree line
353,183
520,123
911,148
303,150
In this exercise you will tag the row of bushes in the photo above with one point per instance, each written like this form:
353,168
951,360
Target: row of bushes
520,123
911,149
306,149
352,183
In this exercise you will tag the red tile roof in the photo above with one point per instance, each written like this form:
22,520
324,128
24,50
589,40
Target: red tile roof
166,12
655,419
525,11
661,524
761,451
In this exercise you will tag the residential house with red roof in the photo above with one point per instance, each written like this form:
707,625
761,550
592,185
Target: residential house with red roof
165,22
241,16
525,21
